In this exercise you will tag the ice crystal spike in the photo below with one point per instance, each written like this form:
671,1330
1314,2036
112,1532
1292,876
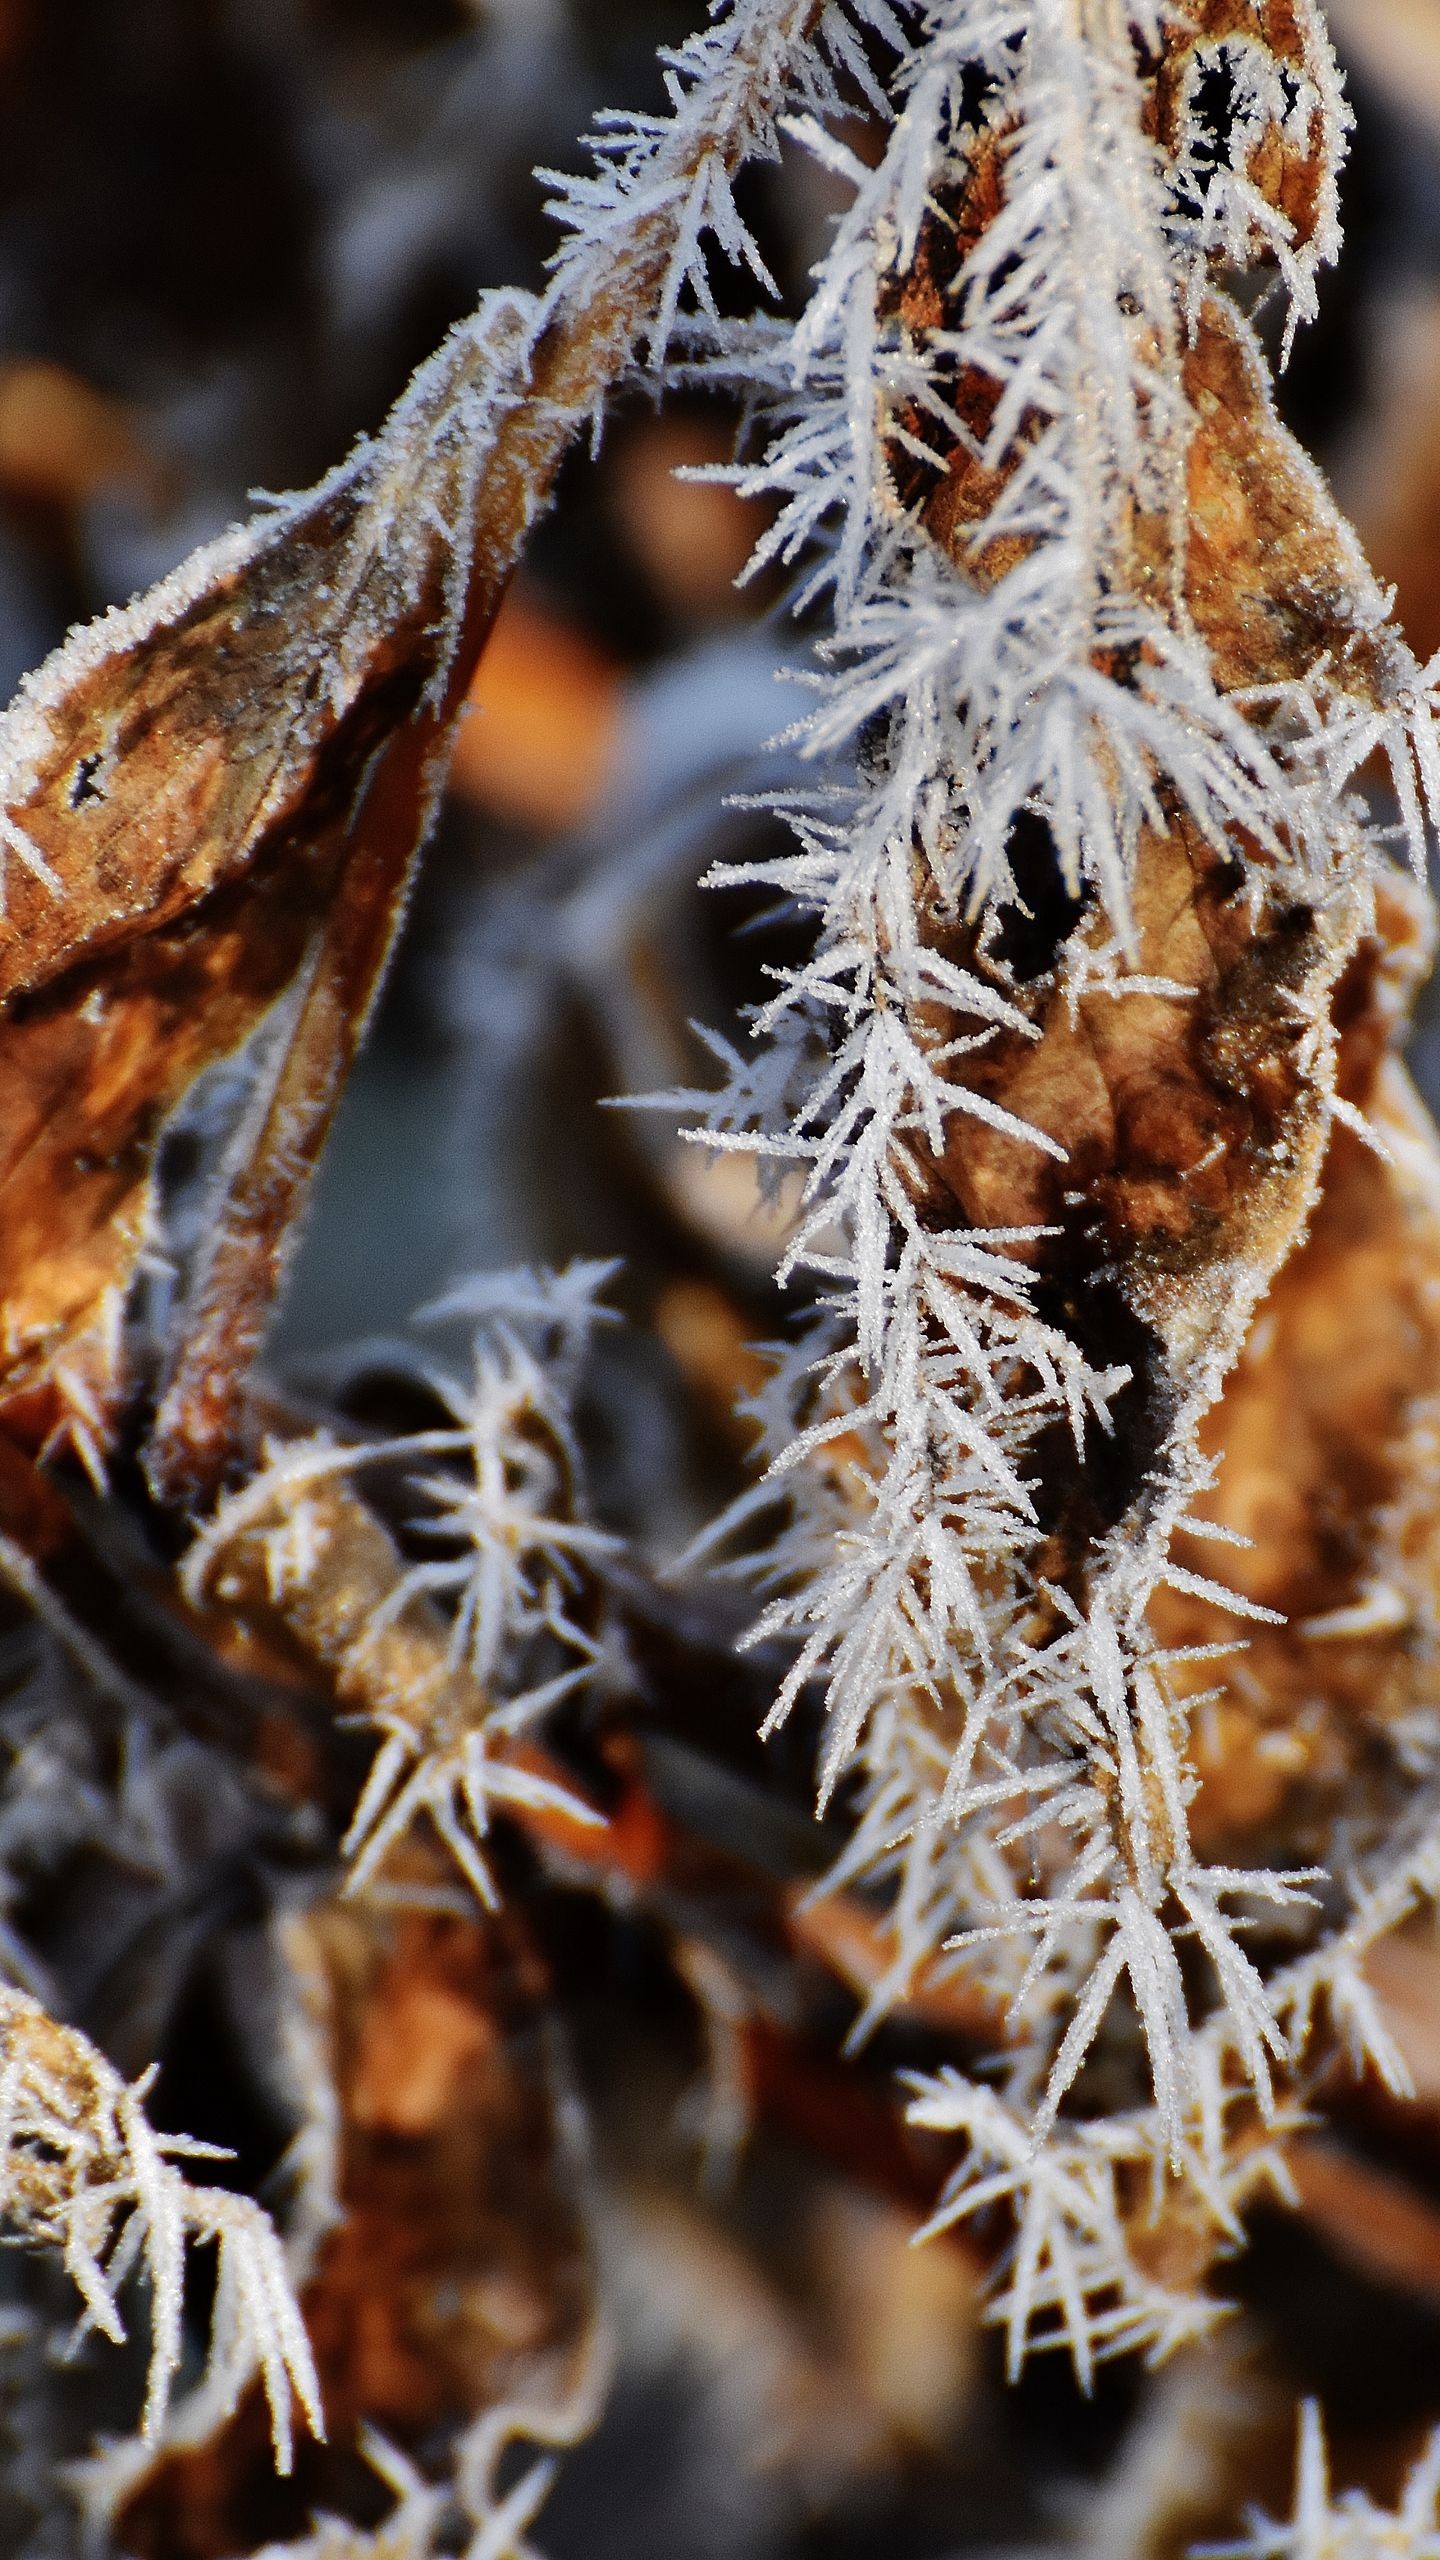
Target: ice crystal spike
1348,2527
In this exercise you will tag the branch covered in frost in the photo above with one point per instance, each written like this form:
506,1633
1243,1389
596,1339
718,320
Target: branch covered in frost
82,2172
453,1697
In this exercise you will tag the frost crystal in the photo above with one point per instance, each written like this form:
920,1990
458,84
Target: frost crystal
422,2524
1350,2527
410,2532
522,1561
671,175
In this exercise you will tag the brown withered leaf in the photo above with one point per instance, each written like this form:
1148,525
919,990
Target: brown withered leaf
1194,1133
1325,1444
1202,1134
196,811
459,2275
1196,1125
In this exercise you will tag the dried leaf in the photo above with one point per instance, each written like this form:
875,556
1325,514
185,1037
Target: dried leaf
1323,1447
192,814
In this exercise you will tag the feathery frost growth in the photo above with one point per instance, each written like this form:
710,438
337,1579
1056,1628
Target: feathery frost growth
493,2522
410,2532
670,177
1087,859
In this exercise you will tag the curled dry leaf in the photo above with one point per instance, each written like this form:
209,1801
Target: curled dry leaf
1194,1112
198,814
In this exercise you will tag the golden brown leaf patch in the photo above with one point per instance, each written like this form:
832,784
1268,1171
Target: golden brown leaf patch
1273,572
1325,1442
1194,1134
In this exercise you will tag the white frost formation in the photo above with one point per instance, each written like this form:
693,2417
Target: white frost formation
1023,1800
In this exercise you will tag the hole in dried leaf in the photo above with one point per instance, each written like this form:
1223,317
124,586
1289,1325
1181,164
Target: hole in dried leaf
83,785
1044,912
